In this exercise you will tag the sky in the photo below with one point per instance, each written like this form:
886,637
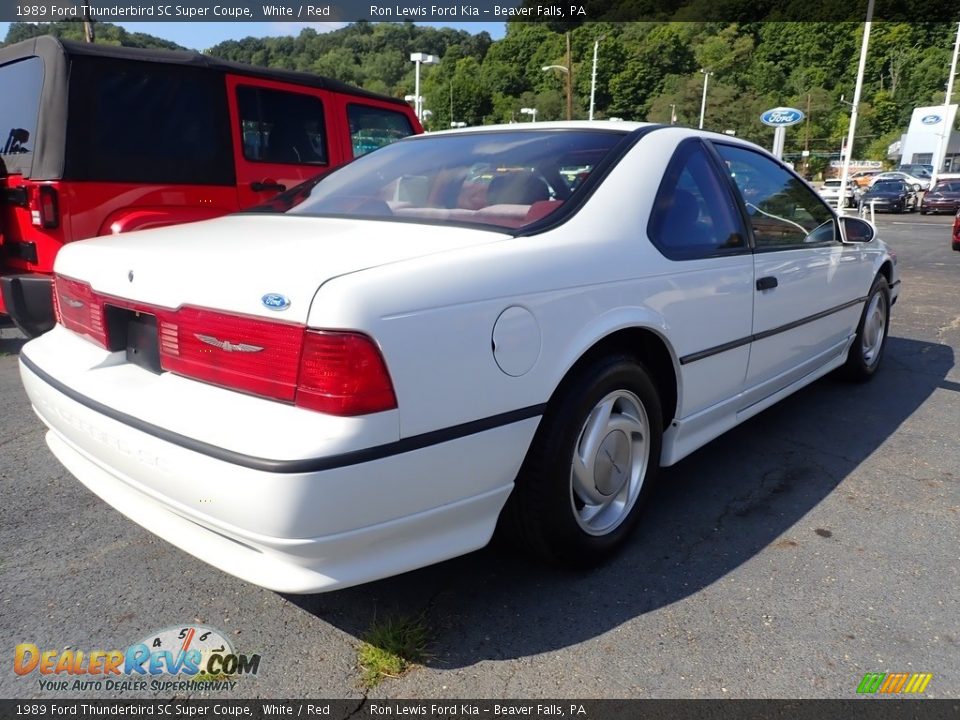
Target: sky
200,36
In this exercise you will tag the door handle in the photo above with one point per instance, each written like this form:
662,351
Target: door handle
767,283
267,185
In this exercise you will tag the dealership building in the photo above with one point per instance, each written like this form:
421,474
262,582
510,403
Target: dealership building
927,125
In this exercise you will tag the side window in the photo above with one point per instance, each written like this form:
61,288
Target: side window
145,122
694,214
374,127
281,127
784,211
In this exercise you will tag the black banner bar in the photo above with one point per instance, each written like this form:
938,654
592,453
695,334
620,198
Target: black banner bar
872,708
567,11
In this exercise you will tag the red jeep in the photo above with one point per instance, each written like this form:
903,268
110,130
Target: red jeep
98,139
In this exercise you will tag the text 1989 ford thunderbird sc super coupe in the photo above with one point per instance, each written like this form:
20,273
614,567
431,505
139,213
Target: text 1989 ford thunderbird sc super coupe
510,324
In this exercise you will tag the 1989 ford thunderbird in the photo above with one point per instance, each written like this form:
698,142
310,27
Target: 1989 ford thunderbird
516,324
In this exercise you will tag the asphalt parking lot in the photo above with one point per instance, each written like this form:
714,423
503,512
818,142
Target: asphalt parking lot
815,543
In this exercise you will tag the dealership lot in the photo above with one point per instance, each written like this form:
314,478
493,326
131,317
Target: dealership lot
815,543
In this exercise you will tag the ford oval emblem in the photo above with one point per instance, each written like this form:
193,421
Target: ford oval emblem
275,301
781,117
930,119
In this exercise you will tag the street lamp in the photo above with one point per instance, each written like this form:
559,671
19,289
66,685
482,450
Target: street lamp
567,69
420,59
532,112
593,76
703,102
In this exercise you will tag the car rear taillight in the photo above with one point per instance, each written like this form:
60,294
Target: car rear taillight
338,373
44,207
79,309
49,207
343,373
239,352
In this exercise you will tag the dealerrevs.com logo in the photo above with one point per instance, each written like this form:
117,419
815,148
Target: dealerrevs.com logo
191,657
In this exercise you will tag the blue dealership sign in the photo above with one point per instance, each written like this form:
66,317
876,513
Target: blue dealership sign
931,119
781,117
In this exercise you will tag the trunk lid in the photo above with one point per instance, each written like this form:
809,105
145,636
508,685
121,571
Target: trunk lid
251,264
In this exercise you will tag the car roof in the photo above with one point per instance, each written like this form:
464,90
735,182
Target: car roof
48,47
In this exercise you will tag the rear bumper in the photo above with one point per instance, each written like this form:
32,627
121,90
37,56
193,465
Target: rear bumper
296,532
28,299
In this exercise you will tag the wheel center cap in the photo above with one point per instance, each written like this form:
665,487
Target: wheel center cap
612,465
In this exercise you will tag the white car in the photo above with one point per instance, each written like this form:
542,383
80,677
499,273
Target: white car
830,191
913,182
443,334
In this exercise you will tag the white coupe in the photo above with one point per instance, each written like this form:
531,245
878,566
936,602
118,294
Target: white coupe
511,325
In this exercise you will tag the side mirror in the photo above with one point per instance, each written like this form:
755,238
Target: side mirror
856,230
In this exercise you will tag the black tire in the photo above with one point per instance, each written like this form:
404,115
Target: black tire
863,359
545,513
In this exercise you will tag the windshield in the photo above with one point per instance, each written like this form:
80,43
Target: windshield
21,82
888,185
508,178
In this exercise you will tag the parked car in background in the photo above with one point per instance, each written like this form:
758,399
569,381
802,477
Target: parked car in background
916,183
461,339
830,191
917,169
97,139
863,178
943,197
890,195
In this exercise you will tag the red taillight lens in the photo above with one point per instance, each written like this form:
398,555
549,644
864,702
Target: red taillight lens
343,374
244,353
338,373
79,309
49,207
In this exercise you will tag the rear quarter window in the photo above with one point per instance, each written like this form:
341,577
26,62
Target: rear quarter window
373,127
21,83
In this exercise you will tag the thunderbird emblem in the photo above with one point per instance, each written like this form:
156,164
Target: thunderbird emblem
226,345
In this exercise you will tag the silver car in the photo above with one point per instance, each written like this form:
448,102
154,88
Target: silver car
830,191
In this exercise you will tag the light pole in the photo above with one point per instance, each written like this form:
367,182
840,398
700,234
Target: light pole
420,59
532,112
940,153
703,102
673,113
845,173
593,76
566,71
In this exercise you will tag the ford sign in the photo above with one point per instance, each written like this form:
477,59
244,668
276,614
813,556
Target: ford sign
781,117
930,119
275,301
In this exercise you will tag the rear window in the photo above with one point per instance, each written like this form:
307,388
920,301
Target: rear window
147,123
506,179
22,82
831,183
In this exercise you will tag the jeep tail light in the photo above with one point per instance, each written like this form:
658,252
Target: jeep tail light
79,309
49,207
235,351
343,373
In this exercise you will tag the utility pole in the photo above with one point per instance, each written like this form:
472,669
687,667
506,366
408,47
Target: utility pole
88,33
569,81
806,140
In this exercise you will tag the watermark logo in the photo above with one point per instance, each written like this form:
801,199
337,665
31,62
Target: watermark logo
190,657
894,683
